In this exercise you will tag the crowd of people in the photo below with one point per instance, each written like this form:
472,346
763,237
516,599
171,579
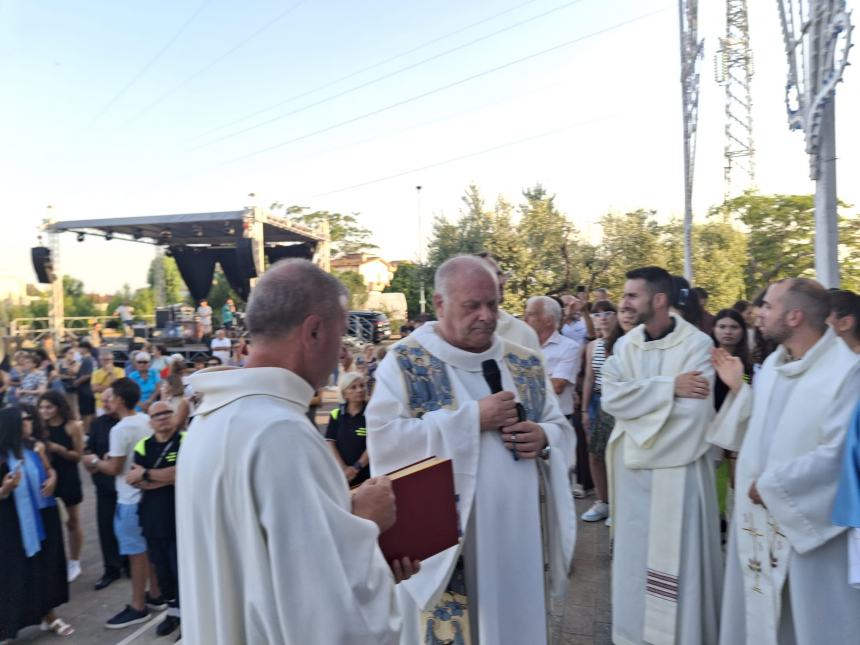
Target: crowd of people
123,424
685,426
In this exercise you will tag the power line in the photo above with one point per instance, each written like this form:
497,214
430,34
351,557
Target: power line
386,76
364,69
448,86
469,155
217,60
152,61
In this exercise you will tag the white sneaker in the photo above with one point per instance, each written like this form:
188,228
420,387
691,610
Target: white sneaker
598,511
73,570
608,521
578,491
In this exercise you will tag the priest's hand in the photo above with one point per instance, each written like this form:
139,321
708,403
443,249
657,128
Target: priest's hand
498,410
526,437
404,568
755,497
729,368
374,500
692,385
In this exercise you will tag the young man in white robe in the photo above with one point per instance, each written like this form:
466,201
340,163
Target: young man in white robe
431,399
786,562
667,564
272,548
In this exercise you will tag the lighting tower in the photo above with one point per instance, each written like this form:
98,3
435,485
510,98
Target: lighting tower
733,68
57,313
817,35
691,54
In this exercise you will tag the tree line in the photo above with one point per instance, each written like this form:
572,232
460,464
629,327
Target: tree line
738,248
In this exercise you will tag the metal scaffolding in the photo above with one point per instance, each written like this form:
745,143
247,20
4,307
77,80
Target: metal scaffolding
733,68
691,54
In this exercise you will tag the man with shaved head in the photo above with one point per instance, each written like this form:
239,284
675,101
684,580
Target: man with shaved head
272,546
432,399
154,473
786,562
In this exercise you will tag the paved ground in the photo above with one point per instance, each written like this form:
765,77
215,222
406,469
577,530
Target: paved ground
583,620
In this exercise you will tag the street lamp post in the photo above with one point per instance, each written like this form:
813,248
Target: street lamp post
422,301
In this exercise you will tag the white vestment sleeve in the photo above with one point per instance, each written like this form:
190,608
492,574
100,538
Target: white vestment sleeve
651,401
325,562
800,494
561,518
729,427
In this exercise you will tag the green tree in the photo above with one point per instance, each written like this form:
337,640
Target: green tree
347,235
76,303
174,287
550,253
356,287
471,233
219,292
781,238
407,280
630,240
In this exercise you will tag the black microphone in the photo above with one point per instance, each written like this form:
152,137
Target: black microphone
493,377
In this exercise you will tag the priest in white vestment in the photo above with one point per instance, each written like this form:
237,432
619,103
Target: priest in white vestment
667,564
272,548
508,326
431,399
786,561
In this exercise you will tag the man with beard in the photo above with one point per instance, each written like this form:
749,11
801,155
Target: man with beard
666,571
499,462
786,562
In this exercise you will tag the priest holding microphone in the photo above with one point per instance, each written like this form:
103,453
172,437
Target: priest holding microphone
456,390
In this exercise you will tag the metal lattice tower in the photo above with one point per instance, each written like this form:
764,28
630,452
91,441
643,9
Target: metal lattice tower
733,68
691,54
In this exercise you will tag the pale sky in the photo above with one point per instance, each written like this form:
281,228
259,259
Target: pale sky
124,109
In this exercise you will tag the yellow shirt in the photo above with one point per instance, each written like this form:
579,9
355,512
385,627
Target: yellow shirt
101,377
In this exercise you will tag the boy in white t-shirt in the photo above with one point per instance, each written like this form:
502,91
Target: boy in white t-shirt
124,436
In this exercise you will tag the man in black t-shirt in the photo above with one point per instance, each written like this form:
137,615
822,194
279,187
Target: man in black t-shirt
98,444
154,472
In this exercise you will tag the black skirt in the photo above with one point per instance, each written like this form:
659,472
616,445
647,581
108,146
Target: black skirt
17,586
49,565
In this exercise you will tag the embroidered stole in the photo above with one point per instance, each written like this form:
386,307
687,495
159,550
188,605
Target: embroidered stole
428,387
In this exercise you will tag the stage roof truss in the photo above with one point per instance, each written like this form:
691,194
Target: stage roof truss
192,229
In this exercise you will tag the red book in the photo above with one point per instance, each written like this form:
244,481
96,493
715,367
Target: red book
426,511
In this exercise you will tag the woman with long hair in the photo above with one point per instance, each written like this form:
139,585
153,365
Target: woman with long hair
50,568
64,441
730,334
594,421
30,536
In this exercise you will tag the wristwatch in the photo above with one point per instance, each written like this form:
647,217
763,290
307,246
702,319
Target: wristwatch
544,454
146,475
357,465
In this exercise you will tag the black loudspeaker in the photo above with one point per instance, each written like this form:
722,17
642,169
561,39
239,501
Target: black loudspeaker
162,317
43,264
245,258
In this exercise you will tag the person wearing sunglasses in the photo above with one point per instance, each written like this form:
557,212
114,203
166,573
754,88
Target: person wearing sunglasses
154,473
146,378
